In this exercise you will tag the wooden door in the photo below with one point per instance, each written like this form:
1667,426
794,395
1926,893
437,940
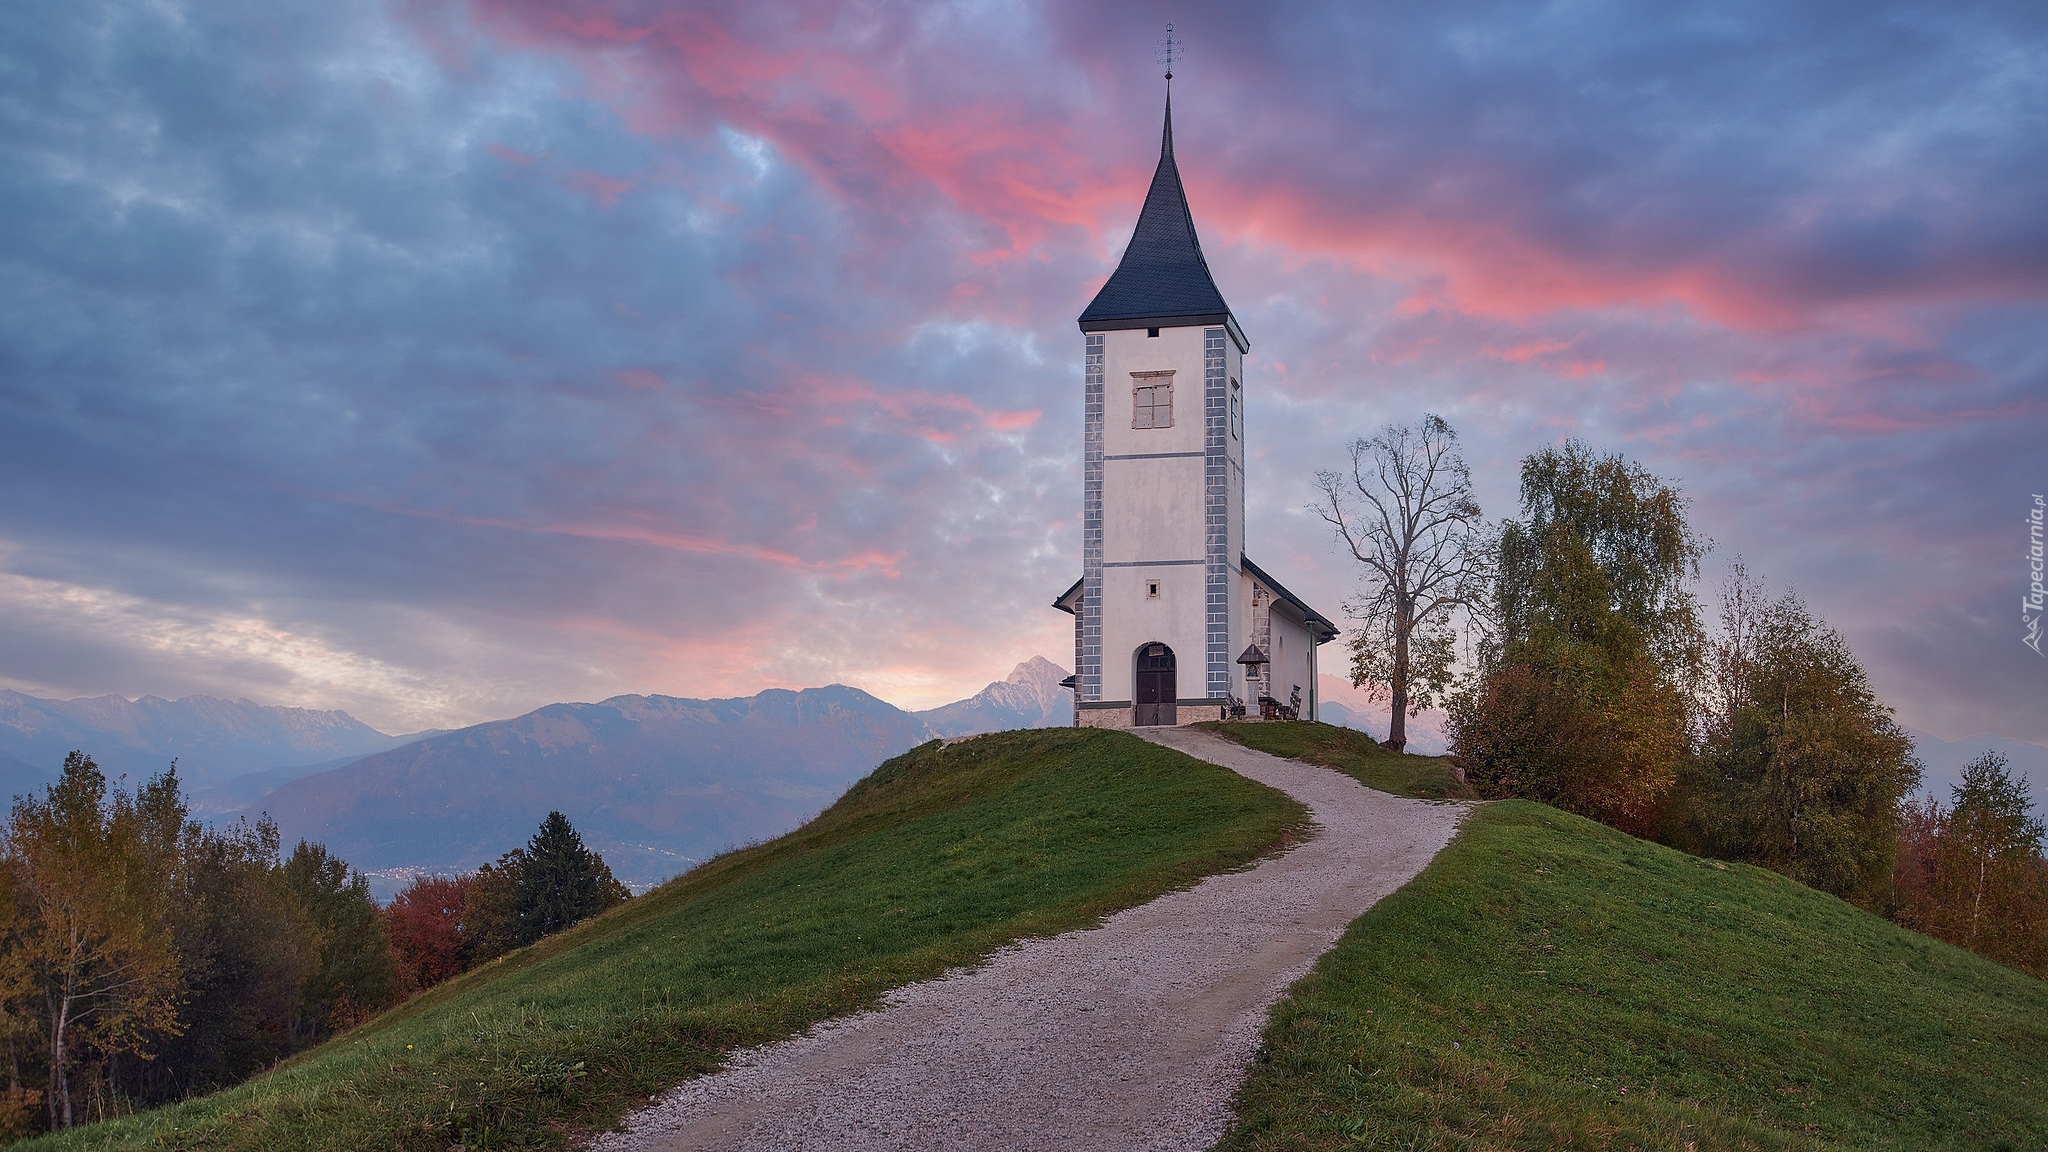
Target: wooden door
1155,690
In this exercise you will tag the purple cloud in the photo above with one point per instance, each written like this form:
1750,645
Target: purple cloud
439,360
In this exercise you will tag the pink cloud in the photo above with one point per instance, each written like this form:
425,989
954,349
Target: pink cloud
639,379
888,128
601,190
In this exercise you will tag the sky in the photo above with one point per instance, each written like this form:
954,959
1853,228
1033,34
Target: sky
437,360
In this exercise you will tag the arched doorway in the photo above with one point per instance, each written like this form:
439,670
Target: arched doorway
1155,687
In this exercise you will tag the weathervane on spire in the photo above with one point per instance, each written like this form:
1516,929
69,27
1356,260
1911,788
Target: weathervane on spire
1166,51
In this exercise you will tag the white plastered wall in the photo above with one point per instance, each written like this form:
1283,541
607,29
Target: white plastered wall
1154,510
1290,656
1287,641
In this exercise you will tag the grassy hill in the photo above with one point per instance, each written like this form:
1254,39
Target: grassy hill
1551,983
1351,752
938,857
1546,983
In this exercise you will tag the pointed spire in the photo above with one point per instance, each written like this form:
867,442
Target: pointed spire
1163,280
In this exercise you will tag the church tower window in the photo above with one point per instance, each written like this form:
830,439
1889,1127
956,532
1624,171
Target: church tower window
1151,399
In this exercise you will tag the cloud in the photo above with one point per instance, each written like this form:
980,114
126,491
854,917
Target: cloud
450,358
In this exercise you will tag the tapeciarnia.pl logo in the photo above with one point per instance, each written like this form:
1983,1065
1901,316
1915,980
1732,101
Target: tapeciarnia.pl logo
2032,603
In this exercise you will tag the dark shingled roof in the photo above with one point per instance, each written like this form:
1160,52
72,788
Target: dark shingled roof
1163,281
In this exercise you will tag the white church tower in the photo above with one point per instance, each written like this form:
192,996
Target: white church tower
1169,615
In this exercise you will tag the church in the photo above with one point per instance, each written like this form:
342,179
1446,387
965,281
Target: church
1173,623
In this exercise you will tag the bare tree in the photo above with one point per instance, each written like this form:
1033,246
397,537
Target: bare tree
1732,656
1406,512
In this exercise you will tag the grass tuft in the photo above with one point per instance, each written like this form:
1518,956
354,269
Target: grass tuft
1551,983
1351,752
940,856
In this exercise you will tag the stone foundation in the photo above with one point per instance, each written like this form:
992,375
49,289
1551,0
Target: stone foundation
1121,715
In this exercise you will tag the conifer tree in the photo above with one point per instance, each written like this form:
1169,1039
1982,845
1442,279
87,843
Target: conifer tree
561,882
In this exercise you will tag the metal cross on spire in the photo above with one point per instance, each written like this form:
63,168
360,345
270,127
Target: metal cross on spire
1166,50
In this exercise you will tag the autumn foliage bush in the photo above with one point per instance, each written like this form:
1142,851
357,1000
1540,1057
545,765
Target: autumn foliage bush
425,921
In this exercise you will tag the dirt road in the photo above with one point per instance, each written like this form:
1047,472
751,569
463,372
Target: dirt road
1131,1035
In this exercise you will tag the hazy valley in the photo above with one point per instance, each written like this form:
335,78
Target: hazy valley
655,783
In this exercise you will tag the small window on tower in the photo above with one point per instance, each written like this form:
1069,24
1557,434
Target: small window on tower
1152,400
1152,332
1236,412
1151,589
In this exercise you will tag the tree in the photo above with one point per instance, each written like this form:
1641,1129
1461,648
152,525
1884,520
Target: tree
1732,655
1405,511
1582,697
1974,875
147,957
490,912
561,882
90,931
1992,844
1592,731
20,1025
1802,769
350,971
1578,506
425,921
241,939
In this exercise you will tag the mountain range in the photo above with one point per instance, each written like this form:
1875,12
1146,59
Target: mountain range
654,783
216,742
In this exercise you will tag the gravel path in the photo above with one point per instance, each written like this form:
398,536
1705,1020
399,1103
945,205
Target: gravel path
1131,1035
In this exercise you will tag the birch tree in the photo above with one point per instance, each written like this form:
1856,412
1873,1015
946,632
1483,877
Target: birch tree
1405,512
89,929
1981,881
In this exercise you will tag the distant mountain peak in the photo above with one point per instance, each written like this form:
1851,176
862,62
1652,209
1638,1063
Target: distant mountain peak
1037,671
1030,697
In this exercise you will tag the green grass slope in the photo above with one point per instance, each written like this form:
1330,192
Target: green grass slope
940,856
1551,983
1351,752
